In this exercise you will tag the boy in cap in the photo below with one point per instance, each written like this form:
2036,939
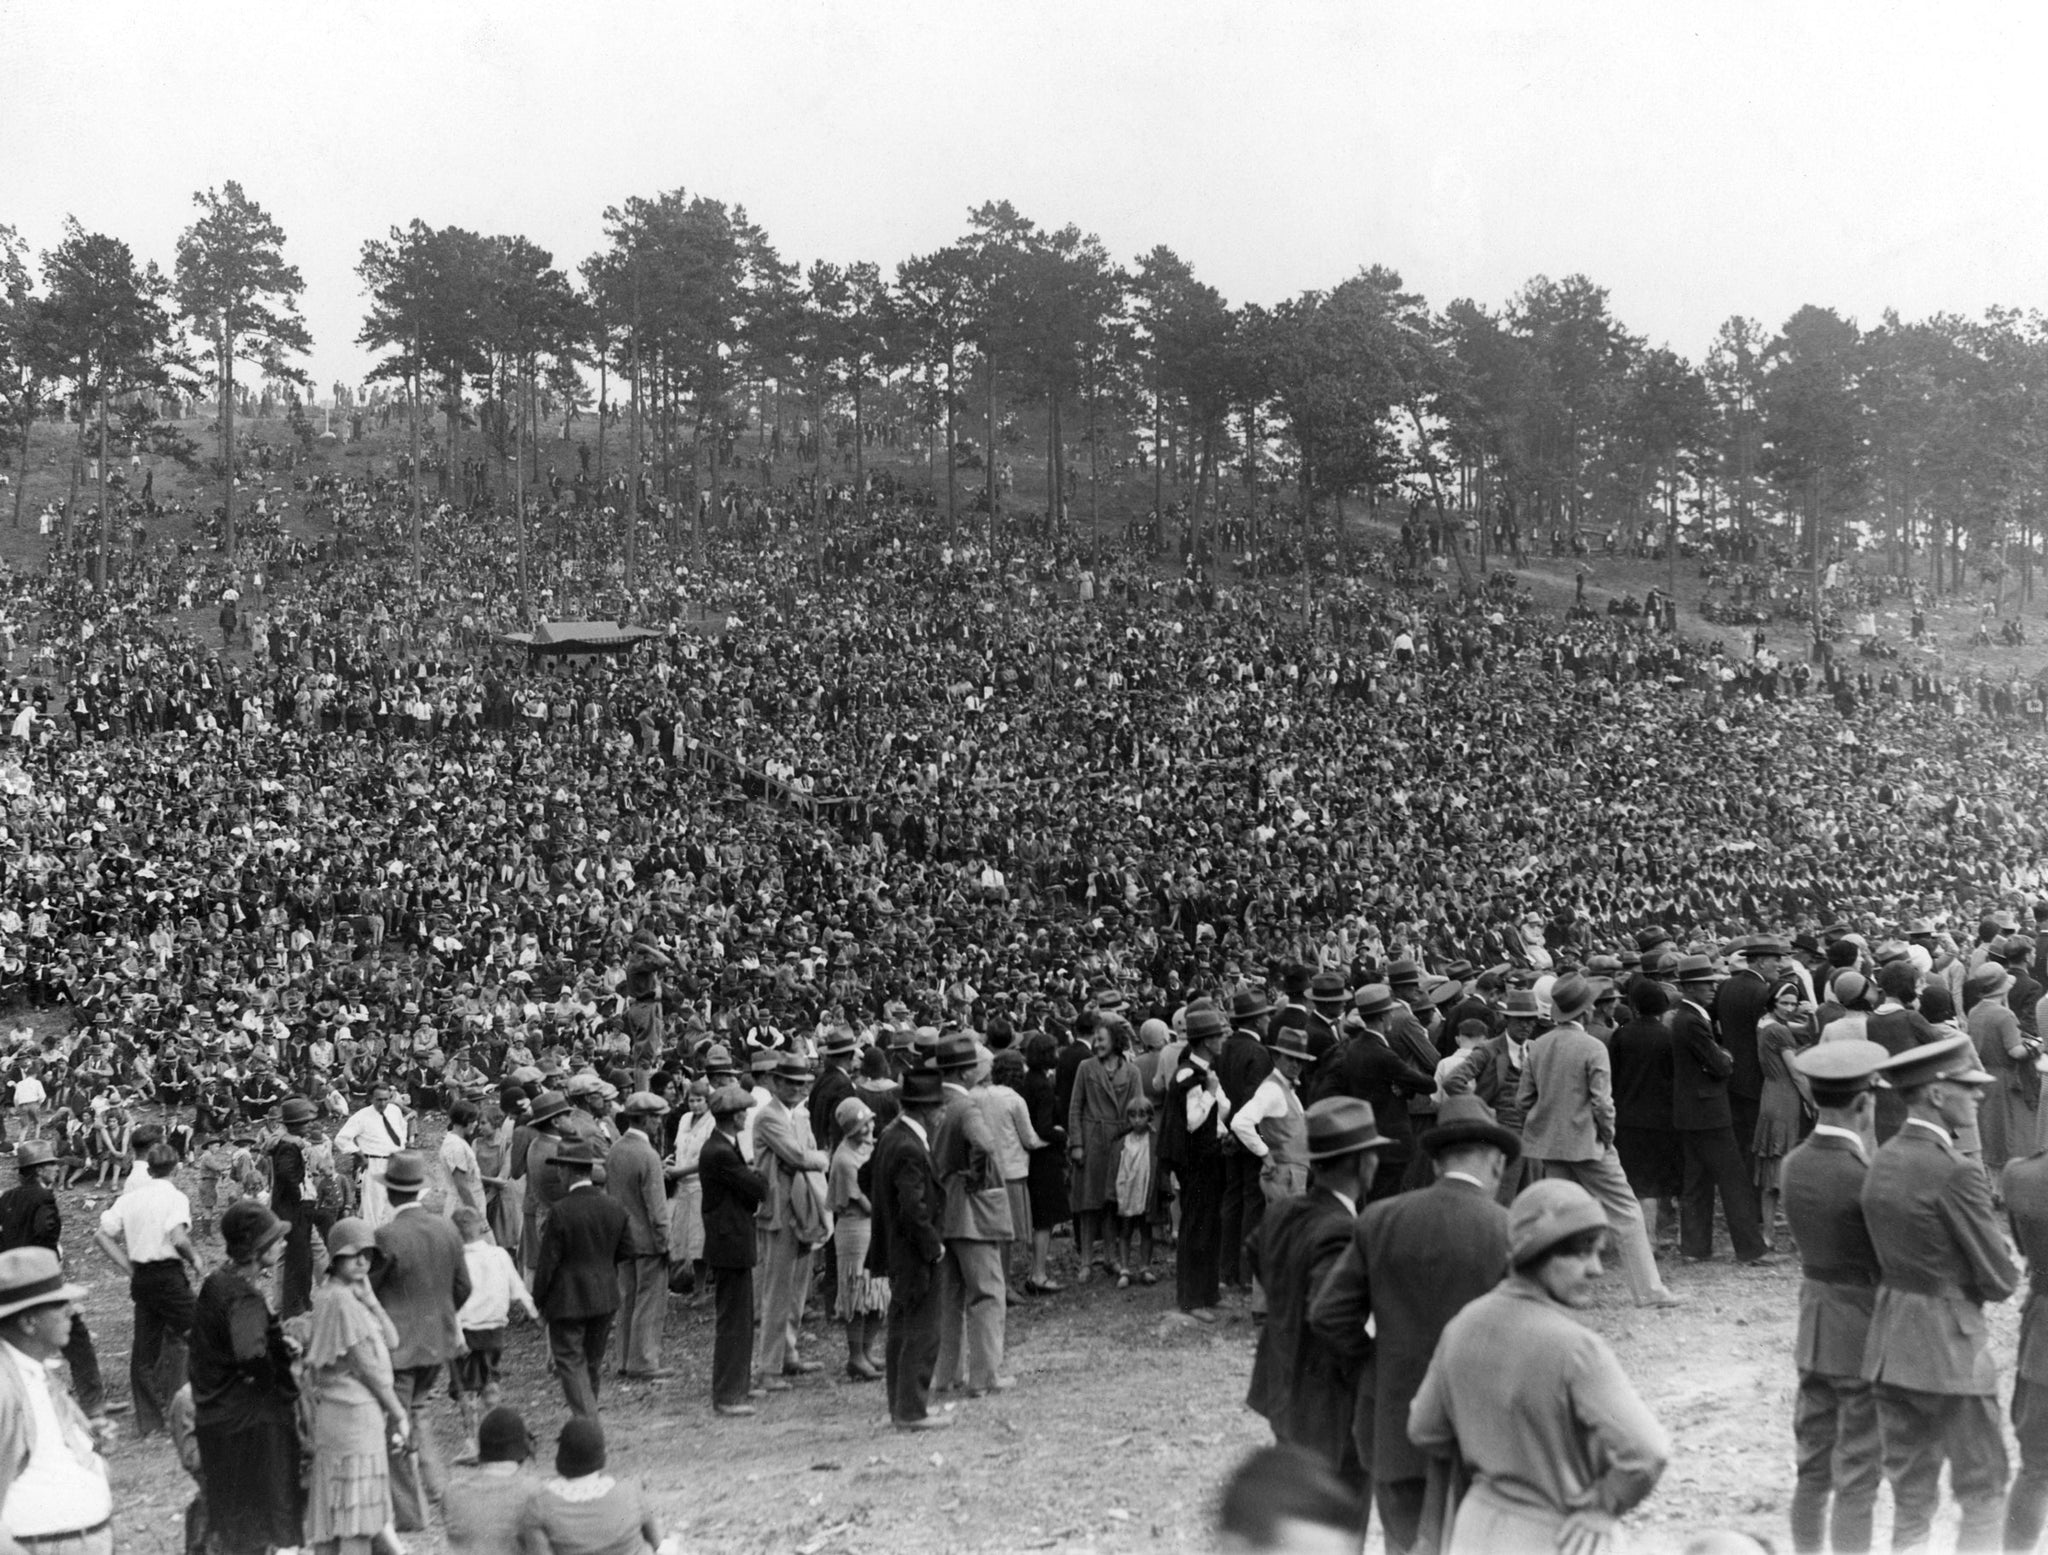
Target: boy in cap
1941,1256
1834,1417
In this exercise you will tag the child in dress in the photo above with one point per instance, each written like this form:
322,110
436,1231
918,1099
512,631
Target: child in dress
1134,1194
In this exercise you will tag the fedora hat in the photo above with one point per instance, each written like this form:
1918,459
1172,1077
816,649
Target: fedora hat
1570,997
955,1052
297,1109
1292,1042
840,1041
1204,1021
1373,1000
1342,1125
32,1277
1249,1004
406,1171
575,1152
33,1152
1403,972
1698,969
1466,1120
549,1104
1521,1004
1328,988
923,1088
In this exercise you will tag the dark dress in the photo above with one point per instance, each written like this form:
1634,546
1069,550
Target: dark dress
246,1419
1046,1182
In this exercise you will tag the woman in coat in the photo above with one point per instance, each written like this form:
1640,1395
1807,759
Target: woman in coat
1103,1088
2009,1122
1784,1031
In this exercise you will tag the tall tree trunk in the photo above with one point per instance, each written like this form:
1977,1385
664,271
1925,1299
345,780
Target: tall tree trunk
952,442
1159,455
603,386
519,502
860,452
106,516
28,424
227,445
632,552
989,390
412,402
455,436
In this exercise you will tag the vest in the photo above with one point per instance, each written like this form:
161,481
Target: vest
1287,1135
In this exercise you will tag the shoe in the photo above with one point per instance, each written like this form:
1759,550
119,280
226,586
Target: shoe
776,1385
116,1406
1042,1288
659,1374
1665,1298
1147,1277
1204,1314
1762,1261
757,1392
733,1409
801,1368
999,1385
862,1372
1123,1282
928,1423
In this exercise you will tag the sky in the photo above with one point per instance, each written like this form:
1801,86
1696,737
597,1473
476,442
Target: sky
1699,158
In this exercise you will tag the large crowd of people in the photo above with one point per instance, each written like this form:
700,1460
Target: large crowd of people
892,905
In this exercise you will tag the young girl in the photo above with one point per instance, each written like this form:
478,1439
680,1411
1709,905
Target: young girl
863,1298
110,1142
1134,1194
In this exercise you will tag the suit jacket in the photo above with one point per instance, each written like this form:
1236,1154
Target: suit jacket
1700,1068
1740,1006
634,1176
1942,1256
1364,1066
1242,1064
28,1217
733,1190
904,1242
783,1147
1488,1073
1412,1264
422,1280
1822,1186
963,1150
575,1274
1566,1096
2025,1187
1302,1385
833,1087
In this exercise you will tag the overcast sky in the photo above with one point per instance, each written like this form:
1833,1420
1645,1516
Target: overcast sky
1697,157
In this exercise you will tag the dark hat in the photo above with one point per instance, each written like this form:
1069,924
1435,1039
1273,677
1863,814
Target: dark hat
33,1152
1837,1072
548,1104
841,1040
1570,997
575,1152
1466,1120
1373,1000
406,1171
1952,1058
1649,939
1292,1042
956,1052
248,1228
580,1448
792,1066
1698,969
501,1437
1768,945
1807,942
728,1100
1249,1004
1342,1125
1109,998
1204,1021
1328,988
923,1088
1403,972
297,1109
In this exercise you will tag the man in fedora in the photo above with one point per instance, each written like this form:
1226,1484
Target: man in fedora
1364,1065
292,1199
1941,1257
29,1217
975,1224
634,1177
1411,1264
1241,1064
783,1148
1567,1100
1300,1383
1706,1128
53,1483
576,1280
1197,1115
1492,1071
1328,994
733,1190
532,1164
1743,1001
422,1279
1838,1454
1272,1128
906,1247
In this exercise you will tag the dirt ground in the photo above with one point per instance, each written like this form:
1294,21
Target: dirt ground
1121,1428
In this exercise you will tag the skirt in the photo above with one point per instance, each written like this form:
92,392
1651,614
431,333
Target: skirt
1048,1188
350,1496
860,1293
250,1470
686,1222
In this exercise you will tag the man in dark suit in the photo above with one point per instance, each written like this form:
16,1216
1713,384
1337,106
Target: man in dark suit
2025,1190
29,1218
1941,1256
1413,1263
1300,1383
1741,1004
1240,1066
1834,1416
422,1280
1706,1131
907,1248
733,1190
575,1279
1492,1071
291,1199
1364,1065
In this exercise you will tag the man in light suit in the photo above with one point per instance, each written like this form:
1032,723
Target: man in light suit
783,1148
633,1176
1413,1263
422,1280
975,1223
576,1280
1566,1096
1941,1256
907,1247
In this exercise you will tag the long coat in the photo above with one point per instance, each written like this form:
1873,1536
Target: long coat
1413,1263
1095,1117
576,1272
733,1190
1822,1187
904,1241
1301,1384
1700,1067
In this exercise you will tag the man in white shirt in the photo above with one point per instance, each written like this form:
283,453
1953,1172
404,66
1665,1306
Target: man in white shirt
1272,1126
148,1233
53,1482
372,1136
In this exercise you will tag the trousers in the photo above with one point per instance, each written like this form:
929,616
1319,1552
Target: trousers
418,1476
1607,1182
1713,1164
87,1385
732,1341
910,1352
1197,1273
643,1304
1244,1205
577,1345
973,1304
163,1323
2026,1509
1400,1503
785,1282
1920,1431
1838,1456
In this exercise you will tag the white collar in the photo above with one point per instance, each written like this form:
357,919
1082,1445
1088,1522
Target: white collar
1935,1129
1464,1177
1350,1204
